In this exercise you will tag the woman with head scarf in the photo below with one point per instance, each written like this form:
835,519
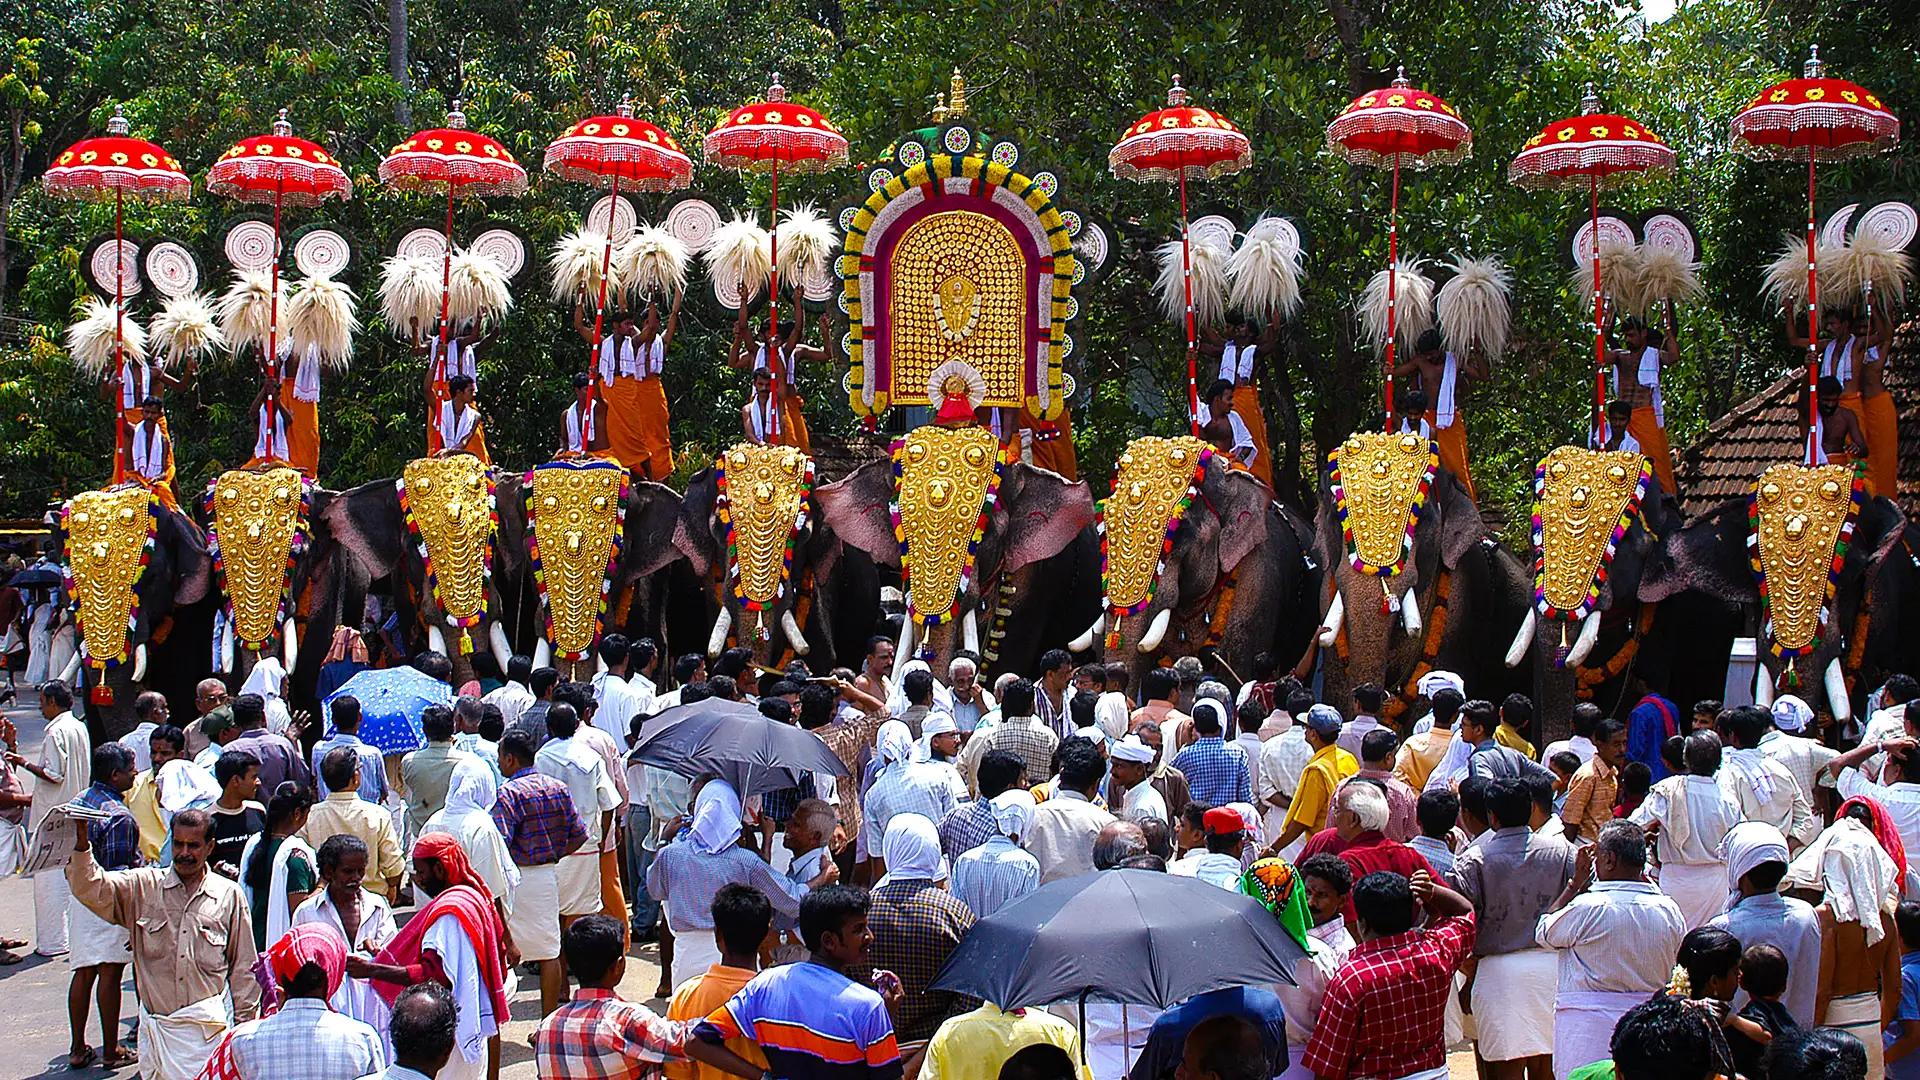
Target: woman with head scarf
306,964
1000,871
268,679
916,924
468,818
346,657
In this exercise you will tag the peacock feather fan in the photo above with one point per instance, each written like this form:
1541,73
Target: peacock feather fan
1210,288
1413,306
186,327
741,254
91,340
1264,275
1869,260
476,289
575,265
410,295
653,264
807,242
1473,307
246,309
323,314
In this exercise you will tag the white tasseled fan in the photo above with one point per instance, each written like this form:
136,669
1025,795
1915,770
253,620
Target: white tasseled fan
1413,305
1473,307
1786,276
186,328
741,256
1620,276
246,308
575,265
1209,259
323,314
476,289
653,264
91,340
410,295
807,243
1265,273
1869,259
1666,275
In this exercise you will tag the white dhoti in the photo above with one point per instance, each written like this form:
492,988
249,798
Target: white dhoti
92,940
1699,889
51,898
13,847
1583,1022
579,882
534,918
176,1046
693,953
1859,1016
1295,1070
1513,1004
459,1068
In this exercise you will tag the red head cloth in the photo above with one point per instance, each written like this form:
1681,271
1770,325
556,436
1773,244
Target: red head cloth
309,943
445,850
467,900
1883,830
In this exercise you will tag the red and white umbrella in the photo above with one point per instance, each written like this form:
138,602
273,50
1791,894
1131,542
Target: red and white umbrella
1401,126
773,136
457,161
1171,145
1814,118
612,152
1593,150
117,166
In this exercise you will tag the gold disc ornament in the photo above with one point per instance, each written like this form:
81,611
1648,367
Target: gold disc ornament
1153,484
259,521
1799,525
109,540
576,511
1584,502
946,481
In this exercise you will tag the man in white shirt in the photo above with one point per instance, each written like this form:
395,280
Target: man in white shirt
1282,759
1695,812
691,668
577,765
1764,788
1367,699
516,696
61,774
1787,744
1586,717
642,656
612,693
1226,838
1898,789
1133,774
1064,827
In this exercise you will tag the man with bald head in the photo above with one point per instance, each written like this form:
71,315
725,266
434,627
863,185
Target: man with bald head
1117,842
208,697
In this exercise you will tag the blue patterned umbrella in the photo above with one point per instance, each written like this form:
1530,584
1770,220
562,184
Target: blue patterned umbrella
391,701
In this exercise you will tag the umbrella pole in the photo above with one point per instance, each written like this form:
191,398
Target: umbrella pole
446,285
271,362
1813,324
120,433
1598,430
1393,281
1186,282
606,262
775,361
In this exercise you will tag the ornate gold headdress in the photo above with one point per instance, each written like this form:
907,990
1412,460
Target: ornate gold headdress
1799,525
450,511
576,516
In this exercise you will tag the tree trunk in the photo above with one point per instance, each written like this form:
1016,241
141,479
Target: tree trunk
397,61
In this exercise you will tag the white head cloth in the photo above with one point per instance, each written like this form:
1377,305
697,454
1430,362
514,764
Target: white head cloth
716,819
912,850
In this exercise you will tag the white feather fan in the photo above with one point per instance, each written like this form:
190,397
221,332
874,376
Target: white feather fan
1264,275
185,327
1666,276
477,289
1473,307
91,340
410,295
323,313
1210,261
1413,309
652,264
1620,276
1786,276
1868,259
575,265
807,242
741,254
246,309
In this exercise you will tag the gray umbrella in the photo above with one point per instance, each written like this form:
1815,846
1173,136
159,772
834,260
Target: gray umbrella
733,741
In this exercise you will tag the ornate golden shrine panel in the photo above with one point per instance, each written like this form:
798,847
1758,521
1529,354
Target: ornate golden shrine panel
959,291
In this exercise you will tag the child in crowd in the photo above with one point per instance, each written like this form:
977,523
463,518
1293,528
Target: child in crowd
1438,812
1763,975
1564,764
1705,714
1328,880
1636,779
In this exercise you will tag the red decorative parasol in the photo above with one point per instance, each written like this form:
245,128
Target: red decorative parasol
769,136
119,166
459,162
1174,144
1399,127
1592,150
285,171
1818,119
611,151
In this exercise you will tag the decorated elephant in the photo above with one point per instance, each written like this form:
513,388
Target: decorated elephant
1416,582
1829,572
140,577
783,584
967,516
1198,554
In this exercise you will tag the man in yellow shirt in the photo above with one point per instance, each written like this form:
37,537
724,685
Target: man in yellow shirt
345,813
1423,751
1516,715
974,1046
1325,769
742,918
1591,793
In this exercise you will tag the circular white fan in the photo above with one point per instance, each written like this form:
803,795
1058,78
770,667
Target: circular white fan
1280,229
504,247
117,256
249,245
1668,232
1612,230
1092,245
322,253
172,269
422,243
1212,229
693,222
820,288
1894,222
1834,232
625,220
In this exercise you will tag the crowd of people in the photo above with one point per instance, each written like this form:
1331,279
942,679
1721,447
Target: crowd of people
1657,895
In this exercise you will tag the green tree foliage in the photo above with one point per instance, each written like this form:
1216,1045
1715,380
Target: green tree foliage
1062,78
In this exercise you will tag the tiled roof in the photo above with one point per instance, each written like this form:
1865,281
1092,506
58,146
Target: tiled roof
1766,430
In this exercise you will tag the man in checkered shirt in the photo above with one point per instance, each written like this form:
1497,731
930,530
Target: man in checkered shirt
1019,732
1216,773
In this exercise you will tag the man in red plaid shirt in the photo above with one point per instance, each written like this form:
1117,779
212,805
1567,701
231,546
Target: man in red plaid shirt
1384,1015
600,1036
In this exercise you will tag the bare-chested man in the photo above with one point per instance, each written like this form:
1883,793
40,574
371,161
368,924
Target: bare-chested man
1438,372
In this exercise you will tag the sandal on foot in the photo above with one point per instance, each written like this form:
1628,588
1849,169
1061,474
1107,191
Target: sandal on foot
121,1058
82,1060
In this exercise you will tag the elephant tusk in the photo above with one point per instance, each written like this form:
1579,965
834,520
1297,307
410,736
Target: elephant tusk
72,668
1410,614
1523,640
1085,641
542,654
223,645
1837,700
717,640
140,662
436,641
497,641
1583,645
1156,630
903,649
1330,626
1763,687
790,626
970,630
289,644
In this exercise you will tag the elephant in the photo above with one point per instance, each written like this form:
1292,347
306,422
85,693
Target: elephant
1042,606
1234,545
1485,592
1873,603
824,613
651,566
1037,515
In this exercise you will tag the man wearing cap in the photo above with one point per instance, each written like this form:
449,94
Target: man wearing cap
1430,684
1788,744
1226,836
940,734
1132,772
1329,765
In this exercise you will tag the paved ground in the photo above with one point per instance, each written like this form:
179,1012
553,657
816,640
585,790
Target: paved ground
35,991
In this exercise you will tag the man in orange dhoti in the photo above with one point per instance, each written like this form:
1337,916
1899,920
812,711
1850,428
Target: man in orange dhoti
583,424
1878,416
458,428
1236,355
1636,380
300,394
789,427
135,382
148,457
1839,437
1438,371
460,356
632,359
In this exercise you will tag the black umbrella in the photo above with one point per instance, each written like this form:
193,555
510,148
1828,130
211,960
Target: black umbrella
754,754
37,577
1134,937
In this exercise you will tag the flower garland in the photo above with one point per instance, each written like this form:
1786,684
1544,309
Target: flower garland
539,572
1589,678
1628,515
295,551
467,623
1415,510
723,508
928,620
102,693
1116,612
1856,499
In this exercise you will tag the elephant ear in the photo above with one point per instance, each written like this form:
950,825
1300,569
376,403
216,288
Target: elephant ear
1461,527
856,508
1039,514
1241,503
653,527
367,522
1880,527
1710,556
694,534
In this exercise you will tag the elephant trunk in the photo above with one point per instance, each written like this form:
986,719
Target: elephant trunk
795,639
1085,641
717,640
1523,640
1837,700
1156,630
